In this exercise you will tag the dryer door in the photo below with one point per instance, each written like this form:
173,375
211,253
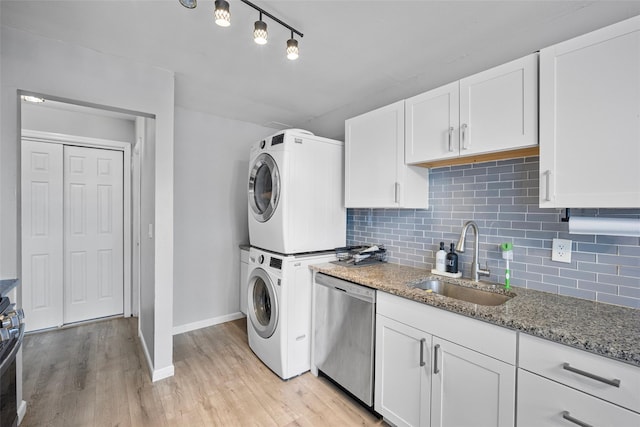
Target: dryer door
263,303
264,187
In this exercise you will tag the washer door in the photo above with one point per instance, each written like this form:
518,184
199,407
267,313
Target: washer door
264,187
263,303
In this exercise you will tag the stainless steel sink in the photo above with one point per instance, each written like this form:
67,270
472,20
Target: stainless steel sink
472,295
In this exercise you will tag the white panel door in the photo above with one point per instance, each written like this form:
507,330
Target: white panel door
42,226
499,108
93,237
462,378
374,150
590,120
431,125
403,366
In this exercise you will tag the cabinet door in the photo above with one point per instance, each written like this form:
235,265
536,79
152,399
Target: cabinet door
590,120
499,108
402,373
372,144
542,402
431,125
42,234
470,388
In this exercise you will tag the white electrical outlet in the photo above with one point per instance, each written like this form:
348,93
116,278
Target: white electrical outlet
561,251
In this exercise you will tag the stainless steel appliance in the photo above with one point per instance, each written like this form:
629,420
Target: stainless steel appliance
344,334
11,335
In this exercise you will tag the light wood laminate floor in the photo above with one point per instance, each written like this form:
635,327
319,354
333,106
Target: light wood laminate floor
95,375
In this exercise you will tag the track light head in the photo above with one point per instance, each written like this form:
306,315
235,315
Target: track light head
292,48
222,17
221,13
189,4
260,31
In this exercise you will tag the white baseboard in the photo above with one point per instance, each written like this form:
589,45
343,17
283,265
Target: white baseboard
147,356
22,410
206,323
160,374
156,374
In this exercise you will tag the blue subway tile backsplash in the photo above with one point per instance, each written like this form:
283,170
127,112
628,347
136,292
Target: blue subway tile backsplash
502,198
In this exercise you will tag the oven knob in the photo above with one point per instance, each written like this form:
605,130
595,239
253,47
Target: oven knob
260,259
4,334
11,321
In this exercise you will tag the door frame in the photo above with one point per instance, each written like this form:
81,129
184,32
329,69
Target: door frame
82,141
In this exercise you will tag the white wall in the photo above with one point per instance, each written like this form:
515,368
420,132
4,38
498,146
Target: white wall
68,71
82,123
147,247
211,167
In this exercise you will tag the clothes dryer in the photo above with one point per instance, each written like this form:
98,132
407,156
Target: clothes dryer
295,190
279,309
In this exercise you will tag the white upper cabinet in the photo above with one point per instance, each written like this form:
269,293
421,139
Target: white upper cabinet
492,111
375,173
590,120
432,124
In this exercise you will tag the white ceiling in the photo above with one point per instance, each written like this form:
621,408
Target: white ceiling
355,55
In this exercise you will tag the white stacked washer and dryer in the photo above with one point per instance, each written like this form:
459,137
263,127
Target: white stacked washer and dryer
296,219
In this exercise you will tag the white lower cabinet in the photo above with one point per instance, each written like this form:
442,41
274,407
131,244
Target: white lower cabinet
563,386
422,379
542,402
469,388
402,373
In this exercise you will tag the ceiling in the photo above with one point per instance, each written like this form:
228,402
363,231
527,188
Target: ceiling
355,55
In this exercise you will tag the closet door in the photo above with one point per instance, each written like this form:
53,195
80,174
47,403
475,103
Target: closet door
93,235
42,224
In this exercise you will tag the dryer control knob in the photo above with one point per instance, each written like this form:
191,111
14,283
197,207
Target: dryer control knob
260,259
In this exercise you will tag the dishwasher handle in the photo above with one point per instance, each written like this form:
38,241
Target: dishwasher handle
351,289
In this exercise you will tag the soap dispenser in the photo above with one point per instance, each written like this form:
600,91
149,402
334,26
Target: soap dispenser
452,260
441,257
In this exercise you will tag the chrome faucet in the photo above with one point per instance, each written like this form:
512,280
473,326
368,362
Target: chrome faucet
476,271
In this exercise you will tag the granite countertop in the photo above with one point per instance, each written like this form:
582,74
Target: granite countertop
604,329
6,285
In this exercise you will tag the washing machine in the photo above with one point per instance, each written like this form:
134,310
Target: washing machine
295,189
279,309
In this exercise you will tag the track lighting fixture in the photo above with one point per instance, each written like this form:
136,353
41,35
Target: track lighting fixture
222,17
221,13
292,48
260,31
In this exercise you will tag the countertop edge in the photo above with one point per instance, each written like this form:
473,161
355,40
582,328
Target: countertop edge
556,318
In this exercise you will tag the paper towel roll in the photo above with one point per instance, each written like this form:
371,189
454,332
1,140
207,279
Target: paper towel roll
606,226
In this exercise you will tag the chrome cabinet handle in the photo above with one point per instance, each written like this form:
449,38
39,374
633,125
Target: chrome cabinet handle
614,382
568,417
436,348
464,136
422,342
450,138
547,175
397,193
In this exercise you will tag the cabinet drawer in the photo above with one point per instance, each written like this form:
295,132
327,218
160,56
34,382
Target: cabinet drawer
492,340
559,362
542,402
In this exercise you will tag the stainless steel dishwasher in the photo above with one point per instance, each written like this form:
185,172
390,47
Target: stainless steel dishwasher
344,334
